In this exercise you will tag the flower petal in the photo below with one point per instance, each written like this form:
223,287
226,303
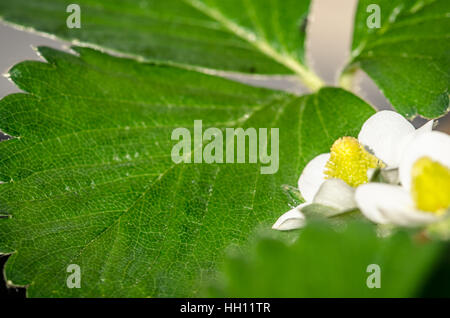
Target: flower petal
384,134
426,128
390,204
291,220
434,144
337,194
313,176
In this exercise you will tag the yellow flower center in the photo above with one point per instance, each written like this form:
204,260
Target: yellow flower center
349,161
430,185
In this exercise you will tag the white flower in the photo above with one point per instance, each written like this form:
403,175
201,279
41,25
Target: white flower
424,194
380,143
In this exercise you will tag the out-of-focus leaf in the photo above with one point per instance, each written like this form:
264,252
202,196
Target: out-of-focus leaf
408,57
324,262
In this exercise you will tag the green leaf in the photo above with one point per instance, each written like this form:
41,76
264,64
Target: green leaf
329,263
408,56
89,179
251,36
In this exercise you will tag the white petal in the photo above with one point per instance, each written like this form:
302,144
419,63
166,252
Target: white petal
312,177
390,204
407,140
367,198
293,219
384,134
337,194
434,144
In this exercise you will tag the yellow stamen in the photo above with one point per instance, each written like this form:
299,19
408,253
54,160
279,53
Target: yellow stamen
430,186
349,161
